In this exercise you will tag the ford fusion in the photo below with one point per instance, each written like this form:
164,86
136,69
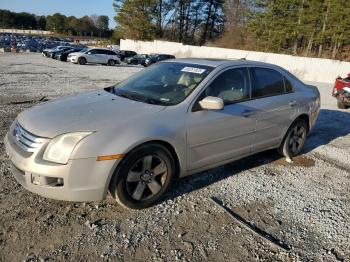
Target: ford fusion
173,119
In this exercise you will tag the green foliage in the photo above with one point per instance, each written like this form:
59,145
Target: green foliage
300,26
187,21
135,19
22,20
88,25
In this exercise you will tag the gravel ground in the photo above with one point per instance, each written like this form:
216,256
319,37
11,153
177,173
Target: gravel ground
305,205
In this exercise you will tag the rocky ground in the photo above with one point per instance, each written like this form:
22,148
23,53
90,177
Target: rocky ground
304,206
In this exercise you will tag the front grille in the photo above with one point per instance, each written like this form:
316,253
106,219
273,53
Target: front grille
25,140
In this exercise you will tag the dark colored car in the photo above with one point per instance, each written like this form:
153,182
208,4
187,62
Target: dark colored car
125,54
62,56
157,58
136,60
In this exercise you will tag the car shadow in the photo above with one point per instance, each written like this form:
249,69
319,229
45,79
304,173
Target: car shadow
331,124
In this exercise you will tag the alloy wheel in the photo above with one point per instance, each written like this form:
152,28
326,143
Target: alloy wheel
146,177
297,138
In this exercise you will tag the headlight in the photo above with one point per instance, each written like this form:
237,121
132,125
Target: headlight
61,147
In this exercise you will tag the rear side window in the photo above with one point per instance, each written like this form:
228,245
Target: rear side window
267,82
103,52
288,85
111,52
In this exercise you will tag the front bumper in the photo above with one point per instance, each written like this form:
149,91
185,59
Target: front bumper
78,180
72,59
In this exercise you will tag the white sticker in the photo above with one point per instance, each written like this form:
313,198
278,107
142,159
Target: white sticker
193,70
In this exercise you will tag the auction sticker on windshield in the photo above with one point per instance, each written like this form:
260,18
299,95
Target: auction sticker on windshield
193,70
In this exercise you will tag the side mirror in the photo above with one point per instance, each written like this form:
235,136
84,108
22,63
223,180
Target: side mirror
212,103
89,53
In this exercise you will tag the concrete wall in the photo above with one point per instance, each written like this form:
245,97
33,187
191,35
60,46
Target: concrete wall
307,69
19,31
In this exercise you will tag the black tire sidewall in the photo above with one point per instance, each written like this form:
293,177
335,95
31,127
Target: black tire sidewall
341,105
82,61
285,150
118,182
111,62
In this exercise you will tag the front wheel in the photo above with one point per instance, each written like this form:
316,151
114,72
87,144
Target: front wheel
82,61
143,177
294,140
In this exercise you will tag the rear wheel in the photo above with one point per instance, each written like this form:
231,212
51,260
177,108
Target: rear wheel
294,140
341,105
111,62
82,61
143,177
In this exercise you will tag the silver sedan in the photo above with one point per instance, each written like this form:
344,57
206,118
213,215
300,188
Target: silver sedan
173,119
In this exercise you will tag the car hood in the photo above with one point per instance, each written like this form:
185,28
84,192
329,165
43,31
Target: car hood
93,111
75,53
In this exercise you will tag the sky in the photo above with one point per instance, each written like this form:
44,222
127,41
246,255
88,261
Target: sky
76,8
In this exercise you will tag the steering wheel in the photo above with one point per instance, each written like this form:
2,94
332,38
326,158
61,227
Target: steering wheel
180,88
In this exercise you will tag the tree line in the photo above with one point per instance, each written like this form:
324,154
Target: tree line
186,21
300,27
317,28
93,25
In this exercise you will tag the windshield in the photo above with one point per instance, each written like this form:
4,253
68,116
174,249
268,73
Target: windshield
164,83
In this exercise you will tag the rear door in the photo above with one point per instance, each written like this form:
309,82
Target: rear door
103,56
274,106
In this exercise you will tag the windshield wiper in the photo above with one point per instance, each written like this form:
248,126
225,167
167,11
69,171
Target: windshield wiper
129,95
139,97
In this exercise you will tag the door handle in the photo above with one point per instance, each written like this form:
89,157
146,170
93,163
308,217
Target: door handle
293,103
247,113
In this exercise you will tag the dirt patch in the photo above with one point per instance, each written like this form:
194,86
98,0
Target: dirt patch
298,161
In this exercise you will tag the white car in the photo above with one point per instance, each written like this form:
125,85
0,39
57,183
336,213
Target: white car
94,56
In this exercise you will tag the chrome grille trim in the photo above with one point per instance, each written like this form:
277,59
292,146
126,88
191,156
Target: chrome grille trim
25,140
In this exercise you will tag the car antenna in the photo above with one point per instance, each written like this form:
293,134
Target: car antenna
244,58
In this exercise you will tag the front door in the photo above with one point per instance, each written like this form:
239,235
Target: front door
217,136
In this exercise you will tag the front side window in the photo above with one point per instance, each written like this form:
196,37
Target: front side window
232,86
267,82
164,83
93,52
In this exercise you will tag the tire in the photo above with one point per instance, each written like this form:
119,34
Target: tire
143,177
111,62
341,105
82,61
294,140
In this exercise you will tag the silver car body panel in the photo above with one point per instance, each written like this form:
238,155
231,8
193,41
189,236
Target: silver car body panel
201,139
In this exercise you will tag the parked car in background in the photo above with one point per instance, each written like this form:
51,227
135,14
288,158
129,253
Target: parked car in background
47,52
125,54
94,56
62,55
341,91
137,59
156,58
54,52
170,120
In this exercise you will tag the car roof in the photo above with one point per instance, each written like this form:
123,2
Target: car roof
213,62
